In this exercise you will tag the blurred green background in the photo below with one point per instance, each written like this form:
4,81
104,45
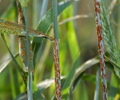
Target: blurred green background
76,36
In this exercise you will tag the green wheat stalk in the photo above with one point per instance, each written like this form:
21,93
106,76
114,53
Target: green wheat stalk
56,53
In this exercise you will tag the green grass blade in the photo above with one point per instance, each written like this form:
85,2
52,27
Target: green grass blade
38,89
68,80
56,52
86,65
96,95
79,71
86,77
23,74
10,14
47,20
36,96
44,25
36,12
19,30
6,62
44,8
99,30
30,68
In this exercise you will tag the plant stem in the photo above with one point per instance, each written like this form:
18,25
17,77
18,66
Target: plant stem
13,74
56,53
101,48
29,85
96,96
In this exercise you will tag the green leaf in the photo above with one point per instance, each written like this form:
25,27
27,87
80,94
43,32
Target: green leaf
47,20
44,25
66,85
37,95
16,29
9,14
28,65
22,72
86,65
79,71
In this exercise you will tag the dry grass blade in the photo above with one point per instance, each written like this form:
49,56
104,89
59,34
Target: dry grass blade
75,17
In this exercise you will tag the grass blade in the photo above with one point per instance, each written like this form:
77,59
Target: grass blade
68,80
6,62
16,29
29,66
44,8
79,72
39,88
23,74
96,95
56,52
101,48
44,25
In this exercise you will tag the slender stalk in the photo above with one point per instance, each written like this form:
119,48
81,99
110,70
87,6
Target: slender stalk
36,11
22,41
101,48
23,74
13,73
23,19
29,85
56,53
96,96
